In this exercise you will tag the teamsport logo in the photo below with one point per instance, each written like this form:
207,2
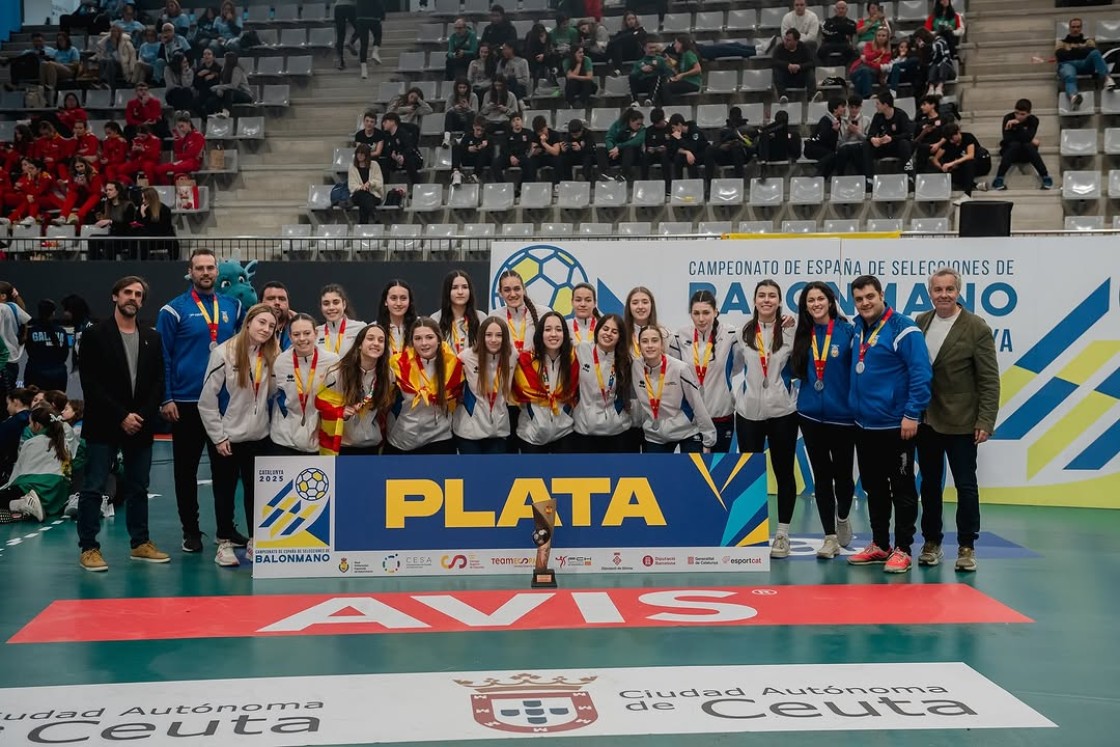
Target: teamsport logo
298,515
528,704
453,562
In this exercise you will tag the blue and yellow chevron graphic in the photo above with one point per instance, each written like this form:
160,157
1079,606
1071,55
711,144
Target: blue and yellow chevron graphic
730,476
292,521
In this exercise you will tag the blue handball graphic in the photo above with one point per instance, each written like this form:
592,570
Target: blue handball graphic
549,272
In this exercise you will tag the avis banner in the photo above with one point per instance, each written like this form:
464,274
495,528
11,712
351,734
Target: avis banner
1051,303
413,515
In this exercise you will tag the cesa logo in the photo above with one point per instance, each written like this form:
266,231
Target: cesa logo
453,562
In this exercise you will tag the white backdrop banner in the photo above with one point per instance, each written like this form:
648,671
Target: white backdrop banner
1051,303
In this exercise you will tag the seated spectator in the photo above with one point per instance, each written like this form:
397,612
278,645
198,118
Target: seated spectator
648,74
944,16
929,133
657,152
499,104
18,407
564,36
1019,144
68,113
580,84
462,46
85,144
480,73
52,150
1078,55
540,54
229,30
400,150
231,89
906,66
143,157
594,38
367,186
733,147
515,71
777,141
117,65
821,146
83,194
472,154
153,221
723,50
147,55
962,157
622,148
205,33
207,74
940,69
170,43
187,151
546,149
174,16
145,109
61,65
34,193
793,66
513,152
23,143
25,65
117,214
179,77
89,15
131,26
872,66
688,76
39,485
836,38
628,43
114,151
500,31
577,149
459,111
806,22
868,27
687,145
889,135
369,135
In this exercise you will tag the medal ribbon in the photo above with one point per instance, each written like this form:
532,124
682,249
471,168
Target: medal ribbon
394,346
604,390
423,391
576,330
492,395
257,372
367,396
702,365
301,392
763,357
655,399
211,321
341,331
456,337
863,346
819,358
518,337
549,391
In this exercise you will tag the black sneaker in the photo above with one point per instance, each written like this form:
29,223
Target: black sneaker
192,543
236,538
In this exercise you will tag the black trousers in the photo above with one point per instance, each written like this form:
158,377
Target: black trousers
446,446
527,165
899,149
565,445
364,27
366,202
886,466
188,439
781,433
645,87
579,89
454,121
681,165
342,15
715,156
568,160
832,451
227,471
461,158
586,444
1014,153
627,163
933,448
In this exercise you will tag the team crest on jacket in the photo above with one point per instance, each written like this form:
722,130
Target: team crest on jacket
835,351
531,704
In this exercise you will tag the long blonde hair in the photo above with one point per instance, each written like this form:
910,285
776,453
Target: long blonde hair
151,197
484,356
241,344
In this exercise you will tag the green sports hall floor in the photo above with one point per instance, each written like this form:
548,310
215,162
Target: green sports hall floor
1064,664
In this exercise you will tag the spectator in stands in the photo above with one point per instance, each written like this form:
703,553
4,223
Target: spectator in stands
232,88
594,38
960,156
480,73
687,145
86,145
657,152
540,53
462,45
806,23
822,144
474,152
69,112
52,150
131,26
207,74
907,66
1019,144
83,194
546,149
170,43
836,37
872,66
577,149
367,186
61,65
648,74
564,36
580,78
143,157
940,68
622,150
23,140
733,148
889,135
25,66
117,214
370,15
500,31
147,54
777,141
117,65
145,109
409,108
179,77
229,30
188,150
205,33
345,11
628,43
400,151
88,15
34,193
460,110
852,137
869,26
514,69
173,14
114,151
944,16
793,65
369,134
688,76
929,133
499,104
153,220
1076,55
513,151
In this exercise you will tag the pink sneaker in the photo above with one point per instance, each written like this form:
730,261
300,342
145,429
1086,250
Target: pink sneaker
898,562
868,555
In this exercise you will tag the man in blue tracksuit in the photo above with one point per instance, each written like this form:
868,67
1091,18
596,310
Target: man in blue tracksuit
191,325
891,376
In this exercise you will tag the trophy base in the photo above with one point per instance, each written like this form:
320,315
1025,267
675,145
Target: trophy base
544,578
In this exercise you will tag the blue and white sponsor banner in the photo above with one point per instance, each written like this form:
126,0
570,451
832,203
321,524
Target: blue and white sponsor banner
460,707
1051,303
415,515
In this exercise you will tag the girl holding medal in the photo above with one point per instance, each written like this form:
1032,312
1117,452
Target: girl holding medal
710,348
429,380
242,367
765,405
662,385
585,314
641,312
481,422
521,316
546,384
358,394
458,316
298,376
822,360
602,414
396,311
336,335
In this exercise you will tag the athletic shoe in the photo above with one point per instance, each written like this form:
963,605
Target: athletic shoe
647,102
1047,182
375,55
844,532
365,71
71,510
192,543
830,549
249,551
966,560
446,140
149,553
869,555
225,556
783,100
456,178
898,562
236,538
1075,102
92,561
779,548
108,510
29,504
931,554
1109,83
72,218
998,185
28,221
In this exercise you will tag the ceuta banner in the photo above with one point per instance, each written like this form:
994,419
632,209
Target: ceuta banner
1051,303
454,707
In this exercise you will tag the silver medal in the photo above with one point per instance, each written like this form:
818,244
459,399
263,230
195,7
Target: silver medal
860,367
819,385
766,383
213,344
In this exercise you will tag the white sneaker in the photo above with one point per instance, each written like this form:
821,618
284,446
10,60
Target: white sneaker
830,549
71,510
5,222
844,532
249,551
446,140
28,221
108,511
962,200
783,100
779,548
456,178
365,71
224,114
225,556
30,505
375,55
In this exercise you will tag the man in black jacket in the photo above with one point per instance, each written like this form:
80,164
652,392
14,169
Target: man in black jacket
121,369
889,135
793,65
400,151
687,145
821,145
1019,144
836,38
500,31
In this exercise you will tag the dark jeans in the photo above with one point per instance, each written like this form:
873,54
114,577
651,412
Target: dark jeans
366,202
899,149
933,448
454,121
188,438
456,67
620,444
226,100
672,90
565,445
1014,153
579,89
365,25
832,451
627,162
226,472
781,433
342,15
481,445
137,467
886,467
446,446
784,80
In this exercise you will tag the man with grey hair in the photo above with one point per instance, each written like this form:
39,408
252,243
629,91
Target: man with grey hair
836,38
961,415
806,23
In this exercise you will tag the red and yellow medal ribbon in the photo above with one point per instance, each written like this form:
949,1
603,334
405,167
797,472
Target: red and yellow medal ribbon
211,321
820,358
655,398
863,346
702,363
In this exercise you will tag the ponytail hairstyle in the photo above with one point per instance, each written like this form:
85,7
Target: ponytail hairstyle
622,359
447,314
337,289
349,372
750,327
706,296
595,313
24,395
238,354
524,293
426,322
802,337
484,355
629,316
383,310
567,385
8,292
52,424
